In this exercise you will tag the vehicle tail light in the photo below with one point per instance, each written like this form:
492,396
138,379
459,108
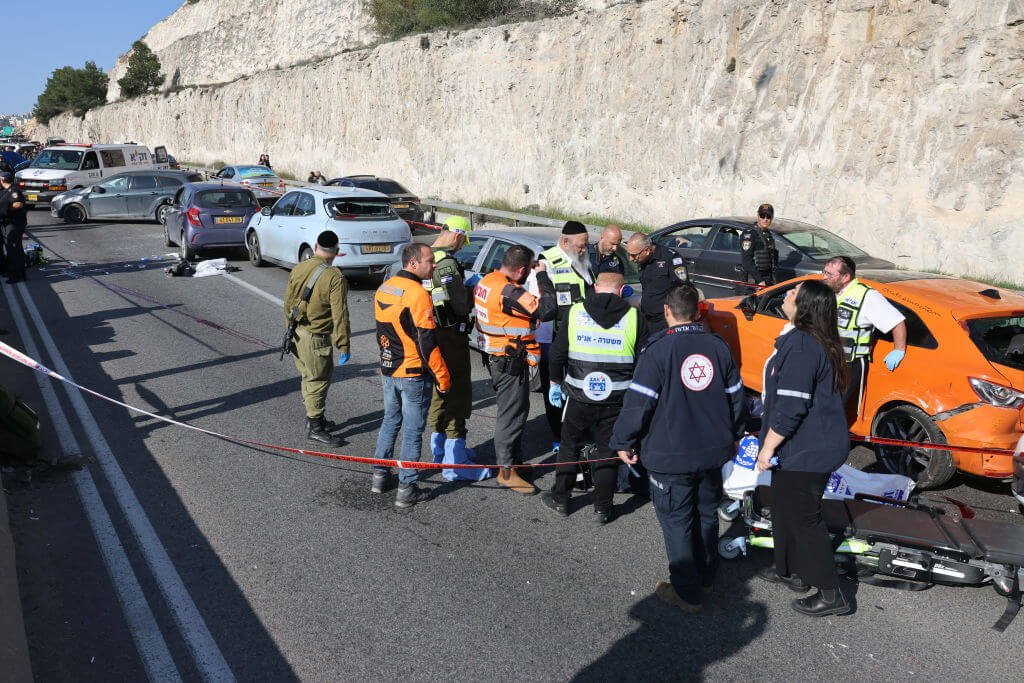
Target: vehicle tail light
996,394
415,200
280,184
21,183
193,217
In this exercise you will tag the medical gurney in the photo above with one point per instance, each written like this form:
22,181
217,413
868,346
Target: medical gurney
910,540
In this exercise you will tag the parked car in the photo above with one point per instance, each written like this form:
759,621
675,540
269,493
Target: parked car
405,203
261,180
135,195
208,216
172,162
961,383
370,233
711,247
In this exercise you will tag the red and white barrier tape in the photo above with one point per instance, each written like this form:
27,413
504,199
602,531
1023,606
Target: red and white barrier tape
27,361
734,282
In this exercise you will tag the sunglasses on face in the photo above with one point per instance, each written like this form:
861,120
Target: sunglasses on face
763,215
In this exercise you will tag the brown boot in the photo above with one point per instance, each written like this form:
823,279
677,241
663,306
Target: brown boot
510,478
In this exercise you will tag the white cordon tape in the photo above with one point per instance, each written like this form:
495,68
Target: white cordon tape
20,357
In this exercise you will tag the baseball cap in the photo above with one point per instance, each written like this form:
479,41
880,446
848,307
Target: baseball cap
766,209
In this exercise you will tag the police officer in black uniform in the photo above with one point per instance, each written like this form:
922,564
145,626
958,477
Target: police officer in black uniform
660,269
683,412
604,257
14,219
757,245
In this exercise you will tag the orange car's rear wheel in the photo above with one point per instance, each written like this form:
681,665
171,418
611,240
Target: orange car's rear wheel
930,468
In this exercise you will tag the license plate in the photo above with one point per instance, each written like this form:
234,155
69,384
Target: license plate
266,184
400,206
33,198
376,248
227,219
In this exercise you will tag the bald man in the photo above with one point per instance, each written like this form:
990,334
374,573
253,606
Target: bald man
603,255
591,364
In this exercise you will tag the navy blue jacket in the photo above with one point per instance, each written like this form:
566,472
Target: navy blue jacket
684,409
662,270
801,404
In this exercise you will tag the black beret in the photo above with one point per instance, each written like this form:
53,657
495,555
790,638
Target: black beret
573,228
327,239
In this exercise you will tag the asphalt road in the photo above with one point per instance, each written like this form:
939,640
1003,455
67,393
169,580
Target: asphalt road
244,562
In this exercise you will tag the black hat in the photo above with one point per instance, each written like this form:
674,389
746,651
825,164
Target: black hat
328,240
766,209
573,228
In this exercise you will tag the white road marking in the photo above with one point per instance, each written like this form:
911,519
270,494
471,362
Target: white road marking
208,657
254,289
150,643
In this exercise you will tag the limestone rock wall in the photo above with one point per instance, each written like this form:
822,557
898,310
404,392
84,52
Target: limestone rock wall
895,123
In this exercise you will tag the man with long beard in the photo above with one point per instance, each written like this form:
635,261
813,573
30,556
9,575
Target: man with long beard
569,266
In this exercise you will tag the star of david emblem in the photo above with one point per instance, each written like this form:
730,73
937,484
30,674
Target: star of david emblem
697,372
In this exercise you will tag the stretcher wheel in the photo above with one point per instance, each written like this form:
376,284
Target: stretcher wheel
728,510
727,548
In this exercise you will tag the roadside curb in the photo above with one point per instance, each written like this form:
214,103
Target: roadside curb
14,659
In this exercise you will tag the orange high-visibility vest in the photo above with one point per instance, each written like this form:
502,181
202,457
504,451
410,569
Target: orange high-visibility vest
405,331
503,316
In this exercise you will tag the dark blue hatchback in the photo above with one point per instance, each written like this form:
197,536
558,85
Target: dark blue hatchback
208,216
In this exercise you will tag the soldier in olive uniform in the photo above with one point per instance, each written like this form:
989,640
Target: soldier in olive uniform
757,246
452,303
322,324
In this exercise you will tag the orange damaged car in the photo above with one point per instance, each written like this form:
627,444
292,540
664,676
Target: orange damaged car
961,382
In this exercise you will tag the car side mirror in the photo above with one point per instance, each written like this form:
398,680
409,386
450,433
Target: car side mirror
267,211
99,190
749,306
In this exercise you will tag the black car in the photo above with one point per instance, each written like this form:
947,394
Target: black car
710,247
405,203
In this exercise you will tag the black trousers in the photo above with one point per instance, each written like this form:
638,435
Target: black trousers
552,413
14,254
856,369
655,324
802,544
581,422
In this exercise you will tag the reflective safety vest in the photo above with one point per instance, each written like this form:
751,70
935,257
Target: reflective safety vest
856,340
443,314
570,288
501,325
601,359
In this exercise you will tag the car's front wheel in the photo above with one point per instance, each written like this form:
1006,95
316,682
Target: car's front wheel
252,241
305,254
928,467
74,213
161,214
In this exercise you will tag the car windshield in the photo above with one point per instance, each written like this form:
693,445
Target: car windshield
61,159
822,245
358,209
1000,340
225,199
254,172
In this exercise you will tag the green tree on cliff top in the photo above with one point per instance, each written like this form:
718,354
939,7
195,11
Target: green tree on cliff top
143,75
71,89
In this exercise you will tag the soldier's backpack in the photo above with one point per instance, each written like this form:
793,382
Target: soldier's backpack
20,435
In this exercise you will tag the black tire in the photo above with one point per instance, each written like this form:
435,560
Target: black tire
305,254
74,213
185,249
161,214
929,468
252,242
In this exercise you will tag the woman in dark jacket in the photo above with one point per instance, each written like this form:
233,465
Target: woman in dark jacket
804,426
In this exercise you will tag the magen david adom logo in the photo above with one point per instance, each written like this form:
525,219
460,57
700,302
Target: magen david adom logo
697,372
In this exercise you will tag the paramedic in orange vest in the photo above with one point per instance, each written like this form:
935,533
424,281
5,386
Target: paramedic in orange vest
410,366
507,315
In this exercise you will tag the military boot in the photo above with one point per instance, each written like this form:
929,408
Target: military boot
510,478
316,430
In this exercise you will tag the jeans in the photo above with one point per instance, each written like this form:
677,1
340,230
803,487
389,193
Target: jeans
687,508
406,402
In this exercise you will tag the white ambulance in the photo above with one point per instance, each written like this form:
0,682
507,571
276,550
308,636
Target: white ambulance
70,166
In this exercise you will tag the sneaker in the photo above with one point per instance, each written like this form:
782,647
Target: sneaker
408,496
549,502
380,481
667,593
794,583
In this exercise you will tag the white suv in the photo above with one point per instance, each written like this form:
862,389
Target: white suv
370,233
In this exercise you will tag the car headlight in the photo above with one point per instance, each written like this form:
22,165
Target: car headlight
996,394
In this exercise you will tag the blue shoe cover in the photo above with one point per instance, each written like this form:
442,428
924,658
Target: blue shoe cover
437,440
456,453
555,445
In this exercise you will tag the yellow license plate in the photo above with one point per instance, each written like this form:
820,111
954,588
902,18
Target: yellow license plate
376,248
266,184
400,206
33,198
227,219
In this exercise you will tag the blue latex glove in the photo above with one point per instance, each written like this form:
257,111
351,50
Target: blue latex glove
342,359
893,360
555,395
473,279
627,291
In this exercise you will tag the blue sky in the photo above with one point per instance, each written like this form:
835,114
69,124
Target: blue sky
40,37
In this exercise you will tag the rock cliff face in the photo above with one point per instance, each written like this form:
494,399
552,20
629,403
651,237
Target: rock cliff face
216,41
896,123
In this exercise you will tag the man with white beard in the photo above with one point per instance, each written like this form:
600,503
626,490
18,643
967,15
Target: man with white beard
569,267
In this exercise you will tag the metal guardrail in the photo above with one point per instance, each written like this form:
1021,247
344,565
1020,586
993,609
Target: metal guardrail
516,218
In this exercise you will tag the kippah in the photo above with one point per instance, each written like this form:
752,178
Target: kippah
327,239
573,228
